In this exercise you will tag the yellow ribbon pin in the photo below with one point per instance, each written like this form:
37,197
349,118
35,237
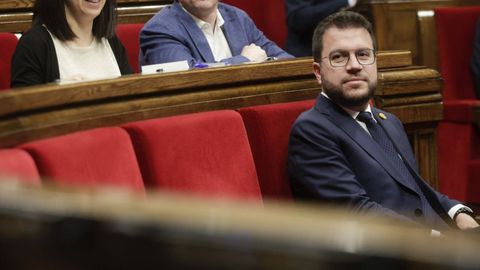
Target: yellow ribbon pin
383,116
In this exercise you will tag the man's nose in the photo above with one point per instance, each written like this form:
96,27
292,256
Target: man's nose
353,63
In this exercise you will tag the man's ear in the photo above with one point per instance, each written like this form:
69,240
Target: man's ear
316,71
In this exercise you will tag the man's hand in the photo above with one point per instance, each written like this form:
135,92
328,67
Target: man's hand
254,53
465,222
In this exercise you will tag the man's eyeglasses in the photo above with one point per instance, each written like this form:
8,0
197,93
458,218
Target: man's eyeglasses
341,58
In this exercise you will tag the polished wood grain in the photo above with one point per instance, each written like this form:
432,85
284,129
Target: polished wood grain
32,113
278,73
61,229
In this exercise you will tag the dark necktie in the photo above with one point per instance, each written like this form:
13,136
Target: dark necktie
378,134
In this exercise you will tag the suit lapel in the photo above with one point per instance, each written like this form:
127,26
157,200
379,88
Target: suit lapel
345,122
195,33
232,31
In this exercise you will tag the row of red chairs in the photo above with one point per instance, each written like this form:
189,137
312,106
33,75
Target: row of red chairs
240,154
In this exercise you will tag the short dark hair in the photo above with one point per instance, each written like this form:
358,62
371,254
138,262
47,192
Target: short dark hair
340,20
51,13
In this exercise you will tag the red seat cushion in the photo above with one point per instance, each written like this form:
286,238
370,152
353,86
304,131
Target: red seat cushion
460,111
129,35
18,163
268,128
455,46
93,158
457,138
8,43
458,144
203,153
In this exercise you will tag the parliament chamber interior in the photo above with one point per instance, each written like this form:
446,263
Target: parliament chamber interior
187,169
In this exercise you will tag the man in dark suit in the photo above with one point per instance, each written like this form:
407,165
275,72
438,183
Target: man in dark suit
344,151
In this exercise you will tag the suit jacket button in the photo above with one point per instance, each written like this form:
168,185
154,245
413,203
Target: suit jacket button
418,212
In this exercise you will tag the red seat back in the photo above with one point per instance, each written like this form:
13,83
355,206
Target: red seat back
203,153
456,30
18,163
97,157
457,138
268,128
268,15
129,35
8,43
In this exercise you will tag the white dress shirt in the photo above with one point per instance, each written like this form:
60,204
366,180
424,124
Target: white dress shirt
215,37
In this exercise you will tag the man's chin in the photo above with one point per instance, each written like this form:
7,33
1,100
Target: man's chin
355,100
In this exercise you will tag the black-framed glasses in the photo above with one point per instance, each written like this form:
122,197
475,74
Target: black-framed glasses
340,58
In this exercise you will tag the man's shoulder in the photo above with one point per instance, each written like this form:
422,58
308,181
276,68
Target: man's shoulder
229,10
166,13
387,115
167,19
312,119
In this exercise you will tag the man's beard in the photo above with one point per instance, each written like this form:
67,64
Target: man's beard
337,94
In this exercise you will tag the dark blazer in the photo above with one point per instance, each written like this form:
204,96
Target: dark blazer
333,159
302,18
35,60
172,35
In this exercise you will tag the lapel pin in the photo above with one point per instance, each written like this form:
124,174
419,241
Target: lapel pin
383,116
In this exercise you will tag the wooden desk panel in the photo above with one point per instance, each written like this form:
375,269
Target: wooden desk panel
79,229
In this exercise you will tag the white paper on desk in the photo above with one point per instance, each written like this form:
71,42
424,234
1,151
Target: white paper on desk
165,67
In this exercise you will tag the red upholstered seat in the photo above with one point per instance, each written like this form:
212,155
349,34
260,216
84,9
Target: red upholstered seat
98,157
129,35
458,139
268,128
8,43
19,164
204,153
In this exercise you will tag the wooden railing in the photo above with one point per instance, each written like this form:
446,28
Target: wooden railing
410,92
96,230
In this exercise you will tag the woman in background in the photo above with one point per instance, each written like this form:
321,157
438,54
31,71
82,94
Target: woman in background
70,40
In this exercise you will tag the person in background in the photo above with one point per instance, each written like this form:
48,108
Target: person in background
204,31
346,152
303,16
476,60
70,40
